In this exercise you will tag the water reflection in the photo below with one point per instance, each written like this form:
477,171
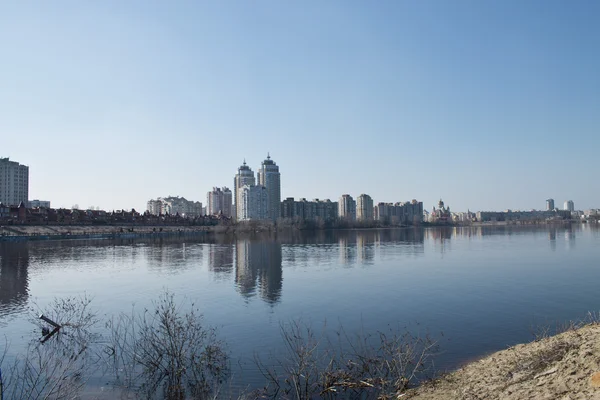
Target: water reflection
14,278
220,260
570,237
365,246
347,249
169,257
441,237
552,238
258,263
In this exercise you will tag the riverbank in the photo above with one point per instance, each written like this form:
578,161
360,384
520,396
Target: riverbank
565,366
18,233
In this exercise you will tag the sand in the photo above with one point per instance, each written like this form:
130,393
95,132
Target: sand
565,366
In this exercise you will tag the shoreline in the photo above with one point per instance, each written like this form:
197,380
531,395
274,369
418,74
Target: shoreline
20,233
562,366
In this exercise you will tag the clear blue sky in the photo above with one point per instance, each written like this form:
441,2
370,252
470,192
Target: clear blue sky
488,104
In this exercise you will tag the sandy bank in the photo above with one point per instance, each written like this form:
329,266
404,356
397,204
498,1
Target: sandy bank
562,367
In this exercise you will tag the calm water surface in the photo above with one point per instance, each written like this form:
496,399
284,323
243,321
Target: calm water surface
477,290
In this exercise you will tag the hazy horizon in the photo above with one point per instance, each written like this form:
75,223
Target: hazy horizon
488,105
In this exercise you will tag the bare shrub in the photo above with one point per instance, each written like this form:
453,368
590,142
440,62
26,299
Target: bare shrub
60,367
532,364
379,366
166,353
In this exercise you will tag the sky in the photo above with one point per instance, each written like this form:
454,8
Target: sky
489,105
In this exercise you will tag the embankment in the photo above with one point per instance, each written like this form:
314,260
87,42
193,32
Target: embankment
16,233
565,366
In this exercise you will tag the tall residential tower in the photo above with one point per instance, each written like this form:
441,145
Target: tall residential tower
269,177
347,208
14,183
364,208
244,177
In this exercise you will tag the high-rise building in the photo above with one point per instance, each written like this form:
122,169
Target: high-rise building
14,182
549,204
269,177
347,208
219,201
244,177
364,208
254,203
569,205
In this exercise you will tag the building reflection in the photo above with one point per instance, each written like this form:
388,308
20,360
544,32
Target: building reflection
440,237
220,259
405,236
570,236
552,238
258,268
164,256
347,248
365,246
14,278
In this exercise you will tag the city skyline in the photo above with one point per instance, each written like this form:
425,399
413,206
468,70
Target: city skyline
483,104
246,177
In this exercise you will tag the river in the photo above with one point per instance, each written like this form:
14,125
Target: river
475,290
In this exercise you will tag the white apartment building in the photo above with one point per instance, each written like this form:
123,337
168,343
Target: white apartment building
14,182
38,204
364,208
174,205
254,203
270,178
347,208
219,201
244,177
154,207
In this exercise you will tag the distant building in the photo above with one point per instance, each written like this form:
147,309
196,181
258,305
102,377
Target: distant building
219,201
569,205
244,177
400,213
270,178
347,208
254,204
441,214
154,207
463,216
522,216
174,206
364,208
315,210
14,182
38,204
287,208
326,210
549,204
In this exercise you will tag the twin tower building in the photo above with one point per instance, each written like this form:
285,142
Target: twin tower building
257,202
